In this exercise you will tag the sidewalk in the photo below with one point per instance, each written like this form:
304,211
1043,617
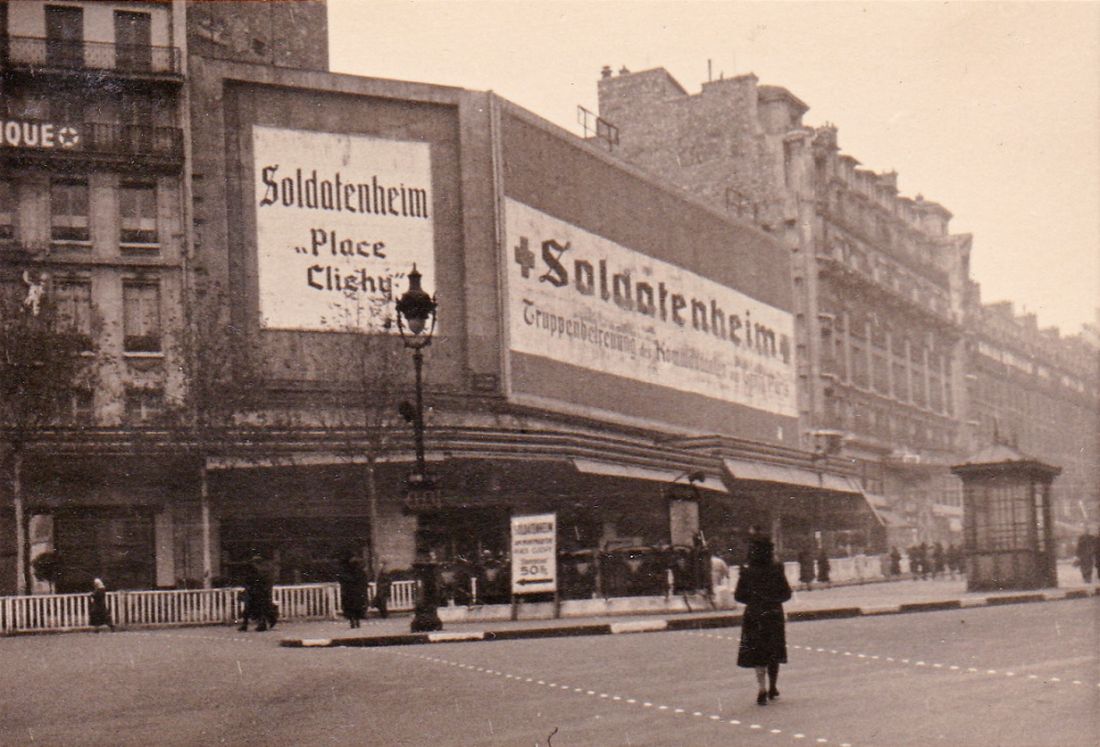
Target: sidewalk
890,597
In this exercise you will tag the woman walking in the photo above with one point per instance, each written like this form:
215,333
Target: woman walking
353,590
99,615
763,588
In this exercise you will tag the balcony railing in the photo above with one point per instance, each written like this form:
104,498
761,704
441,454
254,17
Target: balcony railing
32,53
26,137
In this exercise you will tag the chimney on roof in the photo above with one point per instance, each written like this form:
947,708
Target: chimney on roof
623,70
605,72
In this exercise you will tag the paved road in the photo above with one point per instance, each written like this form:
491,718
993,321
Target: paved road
1012,675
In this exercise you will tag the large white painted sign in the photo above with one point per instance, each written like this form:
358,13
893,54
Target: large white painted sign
576,297
534,553
340,221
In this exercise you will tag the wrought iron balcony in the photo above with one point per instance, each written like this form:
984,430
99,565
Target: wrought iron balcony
44,139
32,53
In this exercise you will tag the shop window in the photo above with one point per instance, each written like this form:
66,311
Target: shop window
114,545
74,307
7,210
137,217
143,405
69,210
141,317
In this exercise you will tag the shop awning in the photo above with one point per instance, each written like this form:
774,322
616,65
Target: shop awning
880,507
636,472
779,474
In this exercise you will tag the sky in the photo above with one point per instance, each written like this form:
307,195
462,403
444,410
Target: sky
991,109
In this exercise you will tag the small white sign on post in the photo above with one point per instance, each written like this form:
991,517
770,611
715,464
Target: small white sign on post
534,554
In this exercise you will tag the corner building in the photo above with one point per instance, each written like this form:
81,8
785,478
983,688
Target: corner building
92,195
600,336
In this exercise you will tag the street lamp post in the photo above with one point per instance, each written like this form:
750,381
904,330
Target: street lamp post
416,323
826,443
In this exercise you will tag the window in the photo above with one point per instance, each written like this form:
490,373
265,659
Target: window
116,545
64,36
141,316
859,363
7,210
66,110
69,210
74,307
143,405
133,38
137,214
77,407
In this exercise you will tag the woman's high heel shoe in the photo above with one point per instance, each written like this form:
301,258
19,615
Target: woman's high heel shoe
773,694
761,698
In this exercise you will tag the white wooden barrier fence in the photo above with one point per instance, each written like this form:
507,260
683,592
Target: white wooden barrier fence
299,602
181,606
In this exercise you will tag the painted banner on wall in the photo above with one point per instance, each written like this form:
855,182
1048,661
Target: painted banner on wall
340,221
578,298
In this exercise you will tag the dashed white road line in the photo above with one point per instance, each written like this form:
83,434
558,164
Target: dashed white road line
891,659
671,710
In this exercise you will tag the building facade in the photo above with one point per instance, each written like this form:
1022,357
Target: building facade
1032,387
91,205
878,278
216,209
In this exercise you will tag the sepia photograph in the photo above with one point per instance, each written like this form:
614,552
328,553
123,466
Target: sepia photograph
549,373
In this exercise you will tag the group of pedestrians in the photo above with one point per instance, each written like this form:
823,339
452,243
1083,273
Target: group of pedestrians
925,561
1088,556
258,601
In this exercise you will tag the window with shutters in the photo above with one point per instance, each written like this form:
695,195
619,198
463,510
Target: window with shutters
69,210
137,217
74,307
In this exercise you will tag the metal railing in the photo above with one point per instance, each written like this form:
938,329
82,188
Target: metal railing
101,138
34,53
42,612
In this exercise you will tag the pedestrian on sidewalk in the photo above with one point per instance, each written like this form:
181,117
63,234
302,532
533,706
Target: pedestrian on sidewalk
939,560
353,590
98,614
382,581
1086,555
895,561
823,566
806,567
258,602
719,582
763,589
954,560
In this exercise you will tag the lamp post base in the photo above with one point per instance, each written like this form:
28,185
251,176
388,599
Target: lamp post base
426,617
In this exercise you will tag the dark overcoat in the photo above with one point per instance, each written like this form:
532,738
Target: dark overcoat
353,591
762,589
98,614
805,566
